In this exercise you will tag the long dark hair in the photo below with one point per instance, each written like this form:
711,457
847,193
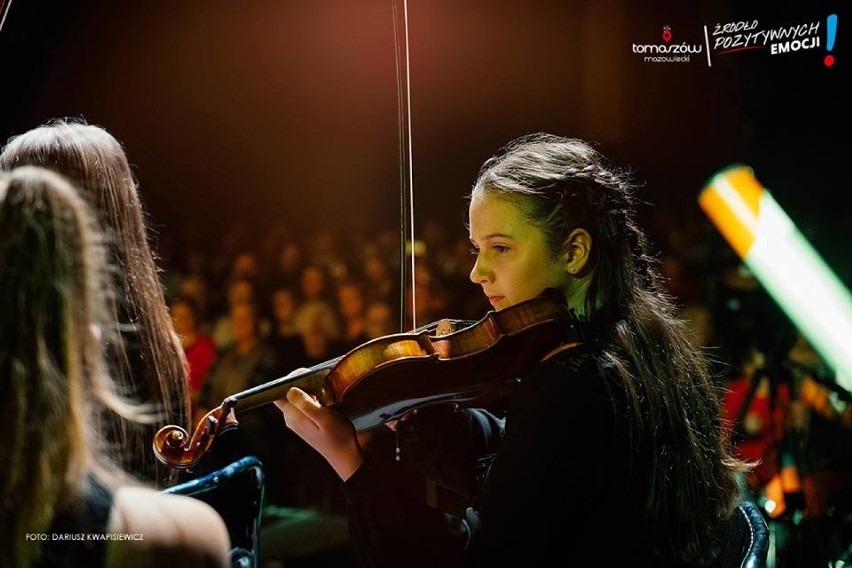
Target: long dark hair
150,360
674,404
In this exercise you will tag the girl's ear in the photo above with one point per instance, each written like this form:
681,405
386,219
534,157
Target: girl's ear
578,248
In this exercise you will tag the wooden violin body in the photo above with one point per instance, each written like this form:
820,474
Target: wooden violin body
387,377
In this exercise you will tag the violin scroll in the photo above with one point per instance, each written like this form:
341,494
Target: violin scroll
174,447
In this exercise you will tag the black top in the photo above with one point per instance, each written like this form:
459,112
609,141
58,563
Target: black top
549,483
76,536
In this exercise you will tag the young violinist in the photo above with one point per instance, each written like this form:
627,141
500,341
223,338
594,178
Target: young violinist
622,434
64,502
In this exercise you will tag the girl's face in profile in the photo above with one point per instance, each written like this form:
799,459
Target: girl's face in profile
513,261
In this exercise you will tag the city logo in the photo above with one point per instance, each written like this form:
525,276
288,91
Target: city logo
724,39
667,51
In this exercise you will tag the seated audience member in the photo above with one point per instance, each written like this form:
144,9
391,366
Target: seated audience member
379,320
352,309
239,290
199,347
315,310
195,287
247,362
284,337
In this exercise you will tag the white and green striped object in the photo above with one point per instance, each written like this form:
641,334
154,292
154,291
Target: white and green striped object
785,264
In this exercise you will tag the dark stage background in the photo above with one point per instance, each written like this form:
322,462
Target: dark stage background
242,115
265,110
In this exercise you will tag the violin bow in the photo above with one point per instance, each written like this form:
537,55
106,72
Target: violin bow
4,11
406,170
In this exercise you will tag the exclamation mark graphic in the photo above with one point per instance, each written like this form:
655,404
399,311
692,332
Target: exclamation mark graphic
831,33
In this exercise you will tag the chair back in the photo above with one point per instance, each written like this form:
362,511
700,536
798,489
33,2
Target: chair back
747,544
236,493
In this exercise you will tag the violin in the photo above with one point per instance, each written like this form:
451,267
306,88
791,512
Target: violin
449,361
